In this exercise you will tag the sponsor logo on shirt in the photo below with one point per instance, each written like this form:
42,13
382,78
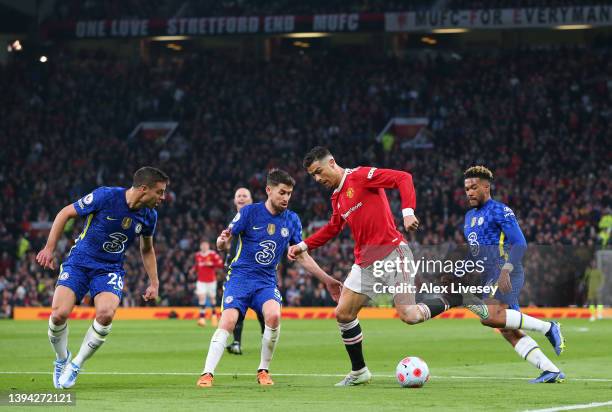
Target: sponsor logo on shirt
480,220
229,299
138,228
473,242
284,232
64,276
351,210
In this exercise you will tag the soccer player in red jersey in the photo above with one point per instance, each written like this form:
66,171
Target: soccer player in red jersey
207,262
359,200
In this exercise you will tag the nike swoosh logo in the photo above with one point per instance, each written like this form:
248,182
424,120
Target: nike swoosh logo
257,228
110,218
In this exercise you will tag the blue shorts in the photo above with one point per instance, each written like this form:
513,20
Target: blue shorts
242,294
517,279
82,279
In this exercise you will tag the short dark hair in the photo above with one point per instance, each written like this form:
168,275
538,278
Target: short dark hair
480,172
316,153
278,176
148,176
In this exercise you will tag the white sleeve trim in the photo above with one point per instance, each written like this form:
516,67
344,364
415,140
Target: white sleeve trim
508,266
303,246
407,212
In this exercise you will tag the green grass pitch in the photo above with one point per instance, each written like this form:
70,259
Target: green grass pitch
154,365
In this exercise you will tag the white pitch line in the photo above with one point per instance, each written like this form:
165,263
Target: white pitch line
307,375
572,407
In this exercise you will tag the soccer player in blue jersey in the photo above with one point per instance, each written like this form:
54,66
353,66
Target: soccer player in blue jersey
242,197
115,217
495,238
264,230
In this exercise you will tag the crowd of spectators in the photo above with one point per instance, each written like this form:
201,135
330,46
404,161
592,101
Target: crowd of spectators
114,9
538,118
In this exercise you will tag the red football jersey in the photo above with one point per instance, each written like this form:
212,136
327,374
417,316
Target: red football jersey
360,201
206,264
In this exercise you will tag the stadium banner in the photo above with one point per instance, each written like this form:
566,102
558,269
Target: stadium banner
423,20
215,26
518,18
191,313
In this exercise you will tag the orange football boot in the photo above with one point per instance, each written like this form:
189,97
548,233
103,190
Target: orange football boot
205,381
264,378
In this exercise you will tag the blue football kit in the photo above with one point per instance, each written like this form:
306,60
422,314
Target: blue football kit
95,262
495,238
263,238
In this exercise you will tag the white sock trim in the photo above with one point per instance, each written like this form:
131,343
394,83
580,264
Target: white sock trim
270,333
220,335
101,329
525,345
56,328
514,319
346,326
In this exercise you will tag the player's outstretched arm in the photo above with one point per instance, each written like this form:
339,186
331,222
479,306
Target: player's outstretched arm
147,251
394,179
45,256
333,286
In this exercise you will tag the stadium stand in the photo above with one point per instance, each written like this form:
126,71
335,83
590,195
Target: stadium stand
537,117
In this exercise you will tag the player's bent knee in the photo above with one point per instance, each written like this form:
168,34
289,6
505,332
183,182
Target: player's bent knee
59,317
229,318
344,316
272,319
105,316
60,313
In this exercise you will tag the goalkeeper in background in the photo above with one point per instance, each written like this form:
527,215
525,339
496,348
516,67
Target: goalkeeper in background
593,278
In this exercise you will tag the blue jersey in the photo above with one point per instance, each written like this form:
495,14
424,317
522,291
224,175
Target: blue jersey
262,240
110,228
494,236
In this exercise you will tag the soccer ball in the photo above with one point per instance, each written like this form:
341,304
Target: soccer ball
412,372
